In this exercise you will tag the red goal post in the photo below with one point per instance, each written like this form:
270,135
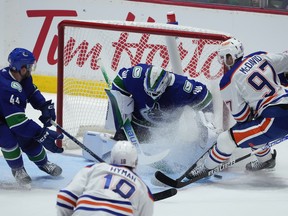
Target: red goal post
81,100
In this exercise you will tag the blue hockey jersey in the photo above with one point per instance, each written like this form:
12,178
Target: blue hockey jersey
180,92
13,100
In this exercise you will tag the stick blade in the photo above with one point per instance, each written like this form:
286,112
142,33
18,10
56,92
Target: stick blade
166,179
165,194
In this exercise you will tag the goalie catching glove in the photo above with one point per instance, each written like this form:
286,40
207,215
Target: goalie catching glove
47,138
48,113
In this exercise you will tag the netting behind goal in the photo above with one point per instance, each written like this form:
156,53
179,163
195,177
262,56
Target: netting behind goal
81,100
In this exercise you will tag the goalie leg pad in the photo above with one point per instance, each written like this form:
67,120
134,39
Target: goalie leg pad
125,105
99,143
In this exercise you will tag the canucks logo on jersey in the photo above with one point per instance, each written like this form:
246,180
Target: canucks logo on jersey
16,85
154,114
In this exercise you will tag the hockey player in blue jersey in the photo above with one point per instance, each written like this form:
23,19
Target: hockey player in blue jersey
18,133
152,95
258,102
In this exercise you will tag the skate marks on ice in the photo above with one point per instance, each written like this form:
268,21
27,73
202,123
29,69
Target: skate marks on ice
237,178
240,179
9,185
70,165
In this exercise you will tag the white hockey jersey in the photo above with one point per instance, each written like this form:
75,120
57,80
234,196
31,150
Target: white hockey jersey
103,189
253,84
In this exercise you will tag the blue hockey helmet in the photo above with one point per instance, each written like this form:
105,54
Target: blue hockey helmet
156,81
19,58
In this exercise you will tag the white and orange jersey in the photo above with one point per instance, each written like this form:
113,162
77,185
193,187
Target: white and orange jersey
103,189
253,83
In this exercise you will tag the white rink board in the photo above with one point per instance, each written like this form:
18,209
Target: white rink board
258,31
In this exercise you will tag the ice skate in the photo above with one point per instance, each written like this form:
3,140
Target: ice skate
21,176
256,165
51,168
197,171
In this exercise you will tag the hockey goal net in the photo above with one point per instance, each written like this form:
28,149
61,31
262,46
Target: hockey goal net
81,99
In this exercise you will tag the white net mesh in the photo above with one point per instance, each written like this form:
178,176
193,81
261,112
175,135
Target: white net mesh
125,44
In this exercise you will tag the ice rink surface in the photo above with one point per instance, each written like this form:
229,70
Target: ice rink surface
238,193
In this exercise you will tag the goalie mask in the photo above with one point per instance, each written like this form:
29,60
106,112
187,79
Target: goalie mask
156,81
124,153
19,58
231,47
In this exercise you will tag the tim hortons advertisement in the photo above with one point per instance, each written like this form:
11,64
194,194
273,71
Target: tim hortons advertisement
36,28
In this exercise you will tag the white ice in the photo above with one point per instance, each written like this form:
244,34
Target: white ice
238,193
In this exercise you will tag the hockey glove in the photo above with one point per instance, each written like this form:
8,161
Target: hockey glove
47,138
48,113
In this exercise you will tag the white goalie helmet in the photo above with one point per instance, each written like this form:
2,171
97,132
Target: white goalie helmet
124,153
231,47
156,81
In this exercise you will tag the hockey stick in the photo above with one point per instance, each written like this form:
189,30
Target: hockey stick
164,194
178,183
157,196
174,182
77,141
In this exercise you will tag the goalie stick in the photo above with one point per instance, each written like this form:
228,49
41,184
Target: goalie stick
178,183
104,73
157,196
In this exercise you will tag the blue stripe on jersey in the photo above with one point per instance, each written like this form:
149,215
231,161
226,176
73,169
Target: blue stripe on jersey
218,156
241,112
101,209
273,102
220,152
69,193
226,79
65,206
255,53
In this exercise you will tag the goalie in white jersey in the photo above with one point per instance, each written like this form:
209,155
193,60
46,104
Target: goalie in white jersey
252,90
104,189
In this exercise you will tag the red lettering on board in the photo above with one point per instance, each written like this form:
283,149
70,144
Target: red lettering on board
49,15
138,51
